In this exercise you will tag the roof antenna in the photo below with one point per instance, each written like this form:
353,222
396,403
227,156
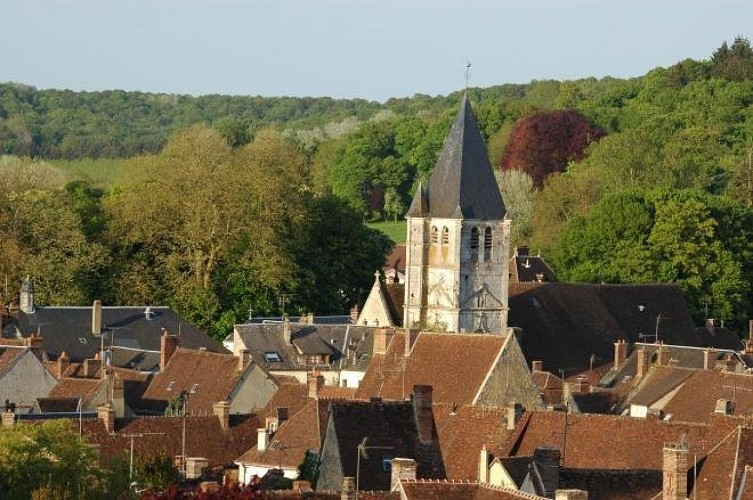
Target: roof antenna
467,74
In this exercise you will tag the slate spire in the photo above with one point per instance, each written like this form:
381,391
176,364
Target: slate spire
463,184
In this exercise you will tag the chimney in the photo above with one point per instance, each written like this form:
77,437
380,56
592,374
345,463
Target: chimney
620,353
118,396
148,314
36,343
723,407
63,363
354,312
403,469
97,318
709,359
315,382
106,413
710,326
310,318
9,418
243,358
262,438
749,340
349,489
92,367
514,412
168,345
675,468
286,330
483,465
580,386
641,363
382,338
221,410
570,495
422,395
537,366
661,356
547,461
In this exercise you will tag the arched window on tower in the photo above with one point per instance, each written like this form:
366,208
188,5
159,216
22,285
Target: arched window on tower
434,235
488,244
474,244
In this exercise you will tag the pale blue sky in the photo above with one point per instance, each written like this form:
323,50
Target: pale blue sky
372,49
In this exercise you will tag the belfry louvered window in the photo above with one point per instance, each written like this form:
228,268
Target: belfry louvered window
487,244
474,244
434,235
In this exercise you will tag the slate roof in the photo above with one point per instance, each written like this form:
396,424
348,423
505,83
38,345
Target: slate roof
454,364
63,404
564,324
312,339
462,185
69,329
9,355
389,424
525,268
209,376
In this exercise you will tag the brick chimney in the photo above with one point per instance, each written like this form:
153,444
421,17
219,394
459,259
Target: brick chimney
9,418
483,465
709,358
620,353
402,469
286,330
262,438
349,489
675,469
93,367
382,338
97,318
221,410
315,381
537,366
167,347
422,397
63,363
661,355
641,362
514,412
118,396
570,495
106,413
243,358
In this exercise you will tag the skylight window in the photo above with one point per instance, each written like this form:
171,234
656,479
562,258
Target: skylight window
272,357
82,340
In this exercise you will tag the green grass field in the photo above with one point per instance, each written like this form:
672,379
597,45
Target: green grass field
394,230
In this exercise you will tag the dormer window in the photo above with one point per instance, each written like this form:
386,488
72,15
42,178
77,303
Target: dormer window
171,385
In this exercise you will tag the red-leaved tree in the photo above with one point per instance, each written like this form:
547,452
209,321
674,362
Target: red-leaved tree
544,143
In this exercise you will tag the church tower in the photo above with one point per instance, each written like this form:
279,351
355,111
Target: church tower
458,240
26,296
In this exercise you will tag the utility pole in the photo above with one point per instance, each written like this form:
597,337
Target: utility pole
134,436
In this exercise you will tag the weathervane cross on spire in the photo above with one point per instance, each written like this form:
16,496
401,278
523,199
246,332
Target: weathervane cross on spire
467,74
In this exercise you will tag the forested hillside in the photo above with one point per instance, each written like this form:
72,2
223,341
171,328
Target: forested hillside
219,205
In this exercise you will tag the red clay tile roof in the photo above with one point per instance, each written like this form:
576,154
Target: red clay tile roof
462,431
84,388
290,394
337,392
287,447
696,399
204,437
394,294
606,442
8,357
722,469
211,376
396,258
454,364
